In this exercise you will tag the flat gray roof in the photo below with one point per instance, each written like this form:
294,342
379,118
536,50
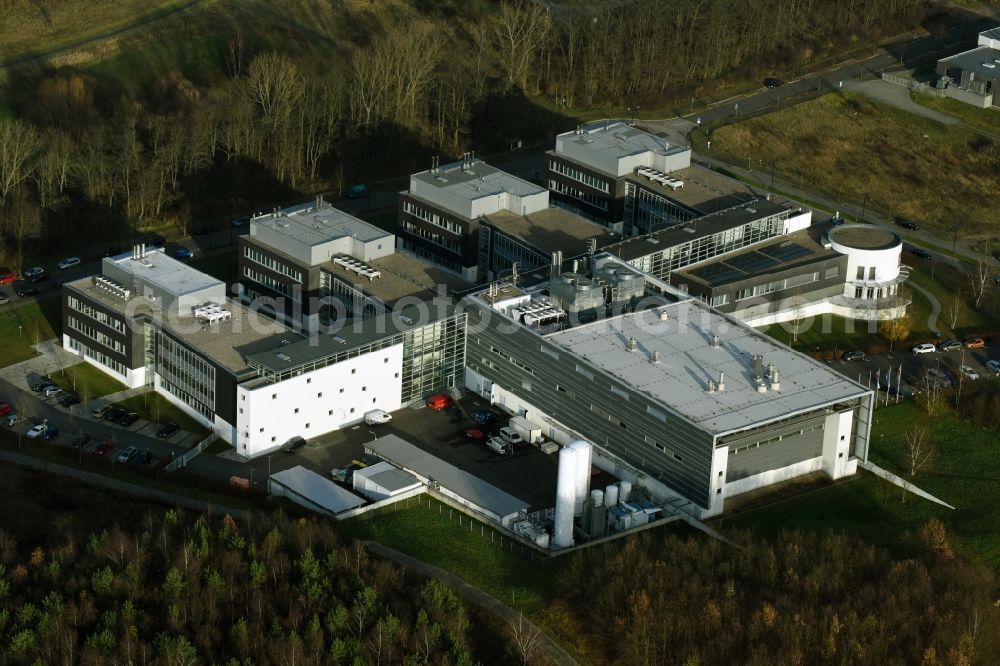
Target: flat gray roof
476,179
619,140
688,361
982,60
704,190
164,272
485,495
402,275
319,222
640,246
553,229
864,237
389,477
323,493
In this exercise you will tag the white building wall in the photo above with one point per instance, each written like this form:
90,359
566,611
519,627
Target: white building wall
134,377
673,160
326,399
837,443
720,460
798,221
885,262
802,311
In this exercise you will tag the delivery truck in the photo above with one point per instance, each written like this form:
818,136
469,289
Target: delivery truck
529,432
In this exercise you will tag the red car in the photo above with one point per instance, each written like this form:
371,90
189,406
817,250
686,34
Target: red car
8,278
5,409
439,401
475,434
105,447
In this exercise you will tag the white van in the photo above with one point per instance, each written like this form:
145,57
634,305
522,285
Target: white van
511,436
377,416
499,445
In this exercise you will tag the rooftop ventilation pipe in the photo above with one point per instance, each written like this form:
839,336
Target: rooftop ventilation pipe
655,356
711,386
722,381
632,344
715,341
758,366
775,380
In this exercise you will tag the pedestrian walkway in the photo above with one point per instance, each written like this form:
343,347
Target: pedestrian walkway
51,358
473,594
898,97
112,398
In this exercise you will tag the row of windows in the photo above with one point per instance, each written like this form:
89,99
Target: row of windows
96,315
650,211
861,273
98,356
773,440
570,191
777,285
190,377
511,359
580,176
269,281
258,257
95,335
431,237
432,218
433,257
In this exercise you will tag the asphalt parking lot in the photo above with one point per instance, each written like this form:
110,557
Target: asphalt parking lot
527,474
915,366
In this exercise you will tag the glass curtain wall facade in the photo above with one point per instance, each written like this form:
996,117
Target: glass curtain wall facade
661,263
434,358
186,375
649,211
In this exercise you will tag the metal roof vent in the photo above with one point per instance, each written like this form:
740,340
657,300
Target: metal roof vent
283,357
715,341
632,345
711,386
722,381
664,316
654,357
775,380
758,366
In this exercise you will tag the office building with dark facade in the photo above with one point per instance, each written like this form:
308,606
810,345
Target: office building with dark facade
283,259
687,403
587,170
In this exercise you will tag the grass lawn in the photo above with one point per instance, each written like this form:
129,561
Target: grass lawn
846,145
964,471
987,120
26,325
87,381
424,534
155,407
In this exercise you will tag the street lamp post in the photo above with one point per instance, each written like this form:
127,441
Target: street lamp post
864,205
736,107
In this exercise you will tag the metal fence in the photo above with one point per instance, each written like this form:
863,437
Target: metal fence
916,86
183,459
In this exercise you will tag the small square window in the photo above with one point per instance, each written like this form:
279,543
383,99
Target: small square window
262,430
274,396
330,413
241,410
840,455
341,390
354,371
718,491
397,375
720,473
307,425
352,410
273,438
309,380
319,395
243,398
296,410
842,437
373,400
364,388
386,359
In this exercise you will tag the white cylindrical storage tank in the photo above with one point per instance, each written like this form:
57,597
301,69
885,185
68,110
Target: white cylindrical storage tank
624,491
598,496
562,533
611,496
583,462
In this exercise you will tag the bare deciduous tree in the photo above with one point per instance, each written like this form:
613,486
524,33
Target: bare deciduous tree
19,143
918,448
525,639
517,33
23,220
275,85
979,281
954,308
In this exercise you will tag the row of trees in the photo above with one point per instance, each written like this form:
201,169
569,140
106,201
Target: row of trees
185,590
796,599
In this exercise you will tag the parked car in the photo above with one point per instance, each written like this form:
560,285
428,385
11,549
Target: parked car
924,348
993,366
292,444
949,345
34,271
8,278
12,420
105,447
967,372
5,409
101,411
499,445
772,82
166,430
183,253
975,343
377,416
127,454
68,262
112,251
485,417
39,278
240,221
921,253
36,384
69,400
853,356
51,433
26,290
36,431
475,434
80,441
4,298
114,414
440,401
357,191
51,390
939,377
128,419
144,458
511,436
907,224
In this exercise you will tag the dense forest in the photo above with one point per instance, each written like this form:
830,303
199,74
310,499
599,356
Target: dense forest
404,80
181,589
